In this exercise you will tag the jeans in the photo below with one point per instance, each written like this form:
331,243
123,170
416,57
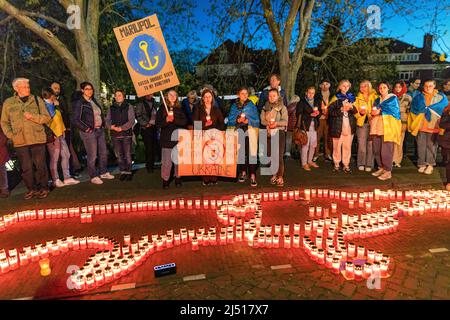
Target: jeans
95,146
58,149
122,148
365,148
446,155
426,148
309,148
36,178
149,136
342,150
166,164
289,135
3,178
281,149
383,152
75,163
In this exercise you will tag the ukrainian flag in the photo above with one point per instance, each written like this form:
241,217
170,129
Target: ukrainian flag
392,124
419,111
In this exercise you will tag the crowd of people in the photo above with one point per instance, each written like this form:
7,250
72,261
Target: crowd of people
328,122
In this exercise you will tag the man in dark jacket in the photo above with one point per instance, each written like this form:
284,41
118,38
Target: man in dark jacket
4,157
146,117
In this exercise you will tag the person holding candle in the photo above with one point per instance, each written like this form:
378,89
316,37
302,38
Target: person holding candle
211,118
423,123
274,116
169,119
324,98
244,116
120,120
385,130
342,124
364,101
308,115
400,90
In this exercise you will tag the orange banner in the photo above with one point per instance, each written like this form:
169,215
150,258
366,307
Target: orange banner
214,153
146,55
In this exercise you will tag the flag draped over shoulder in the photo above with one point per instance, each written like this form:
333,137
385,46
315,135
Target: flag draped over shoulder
419,111
392,124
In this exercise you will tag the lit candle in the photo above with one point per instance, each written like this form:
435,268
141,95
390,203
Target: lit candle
319,193
287,241
351,204
44,264
361,252
358,272
276,241
349,270
336,265
311,212
351,250
307,194
195,244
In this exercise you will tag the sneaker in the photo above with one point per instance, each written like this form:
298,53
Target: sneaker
242,177
313,164
280,182
29,195
273,180
42,194
165,184
178,183
315,158
429,170
336,169
422,169
253,183
306,167
59,184
107,176
70,182
368,169
96,180
361,168
397,165
385,176
287,155
347,170
205,184
378,173
328,158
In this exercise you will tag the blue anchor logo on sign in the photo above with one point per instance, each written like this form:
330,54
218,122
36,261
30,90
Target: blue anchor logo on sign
146,55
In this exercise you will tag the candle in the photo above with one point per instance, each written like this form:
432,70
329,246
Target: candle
44,264
311,212
276,241
307,194
351,250
319,211
361,252
197,204
351,204
384,268
349,270
195,244
287,241
358,272
336,264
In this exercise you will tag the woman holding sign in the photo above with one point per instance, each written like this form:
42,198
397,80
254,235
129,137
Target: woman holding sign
211,118
168,120
244,115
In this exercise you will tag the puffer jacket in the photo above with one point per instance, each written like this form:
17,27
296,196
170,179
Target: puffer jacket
21,131
336,117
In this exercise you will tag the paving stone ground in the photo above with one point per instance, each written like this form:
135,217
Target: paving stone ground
237,271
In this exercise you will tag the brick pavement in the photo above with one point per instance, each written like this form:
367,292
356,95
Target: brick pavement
237,271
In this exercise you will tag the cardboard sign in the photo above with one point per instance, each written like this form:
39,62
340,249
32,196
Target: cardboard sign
145,52
214,153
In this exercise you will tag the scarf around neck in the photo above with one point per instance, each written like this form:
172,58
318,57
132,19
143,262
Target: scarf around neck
348,96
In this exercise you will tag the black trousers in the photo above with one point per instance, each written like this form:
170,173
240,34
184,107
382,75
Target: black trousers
446,156
34,166
149,136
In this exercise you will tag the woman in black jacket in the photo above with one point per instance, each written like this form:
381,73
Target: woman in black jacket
342,124
168,121
308,115
211,118
444,142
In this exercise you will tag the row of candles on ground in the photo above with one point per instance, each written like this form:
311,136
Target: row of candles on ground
13,259
332,257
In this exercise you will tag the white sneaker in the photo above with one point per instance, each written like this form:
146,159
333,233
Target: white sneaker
429,170
397,165
96,180
422,169
368,169
71,182
378,173
59,184
385,176
361,168
107,176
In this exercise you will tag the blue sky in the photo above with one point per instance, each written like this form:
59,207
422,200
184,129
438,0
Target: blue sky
401,26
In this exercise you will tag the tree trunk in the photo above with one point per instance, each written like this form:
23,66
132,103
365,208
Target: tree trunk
288,77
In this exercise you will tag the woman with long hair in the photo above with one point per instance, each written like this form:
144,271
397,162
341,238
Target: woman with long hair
211,118
168,120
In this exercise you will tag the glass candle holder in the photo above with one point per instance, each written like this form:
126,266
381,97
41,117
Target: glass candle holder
287,241
349,270
336,265
276,241
307,194
296,241
358,272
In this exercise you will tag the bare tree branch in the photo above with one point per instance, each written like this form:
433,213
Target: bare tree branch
273,26
6,20
47,18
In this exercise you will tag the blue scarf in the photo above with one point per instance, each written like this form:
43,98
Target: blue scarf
390,107
418,106
349,96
